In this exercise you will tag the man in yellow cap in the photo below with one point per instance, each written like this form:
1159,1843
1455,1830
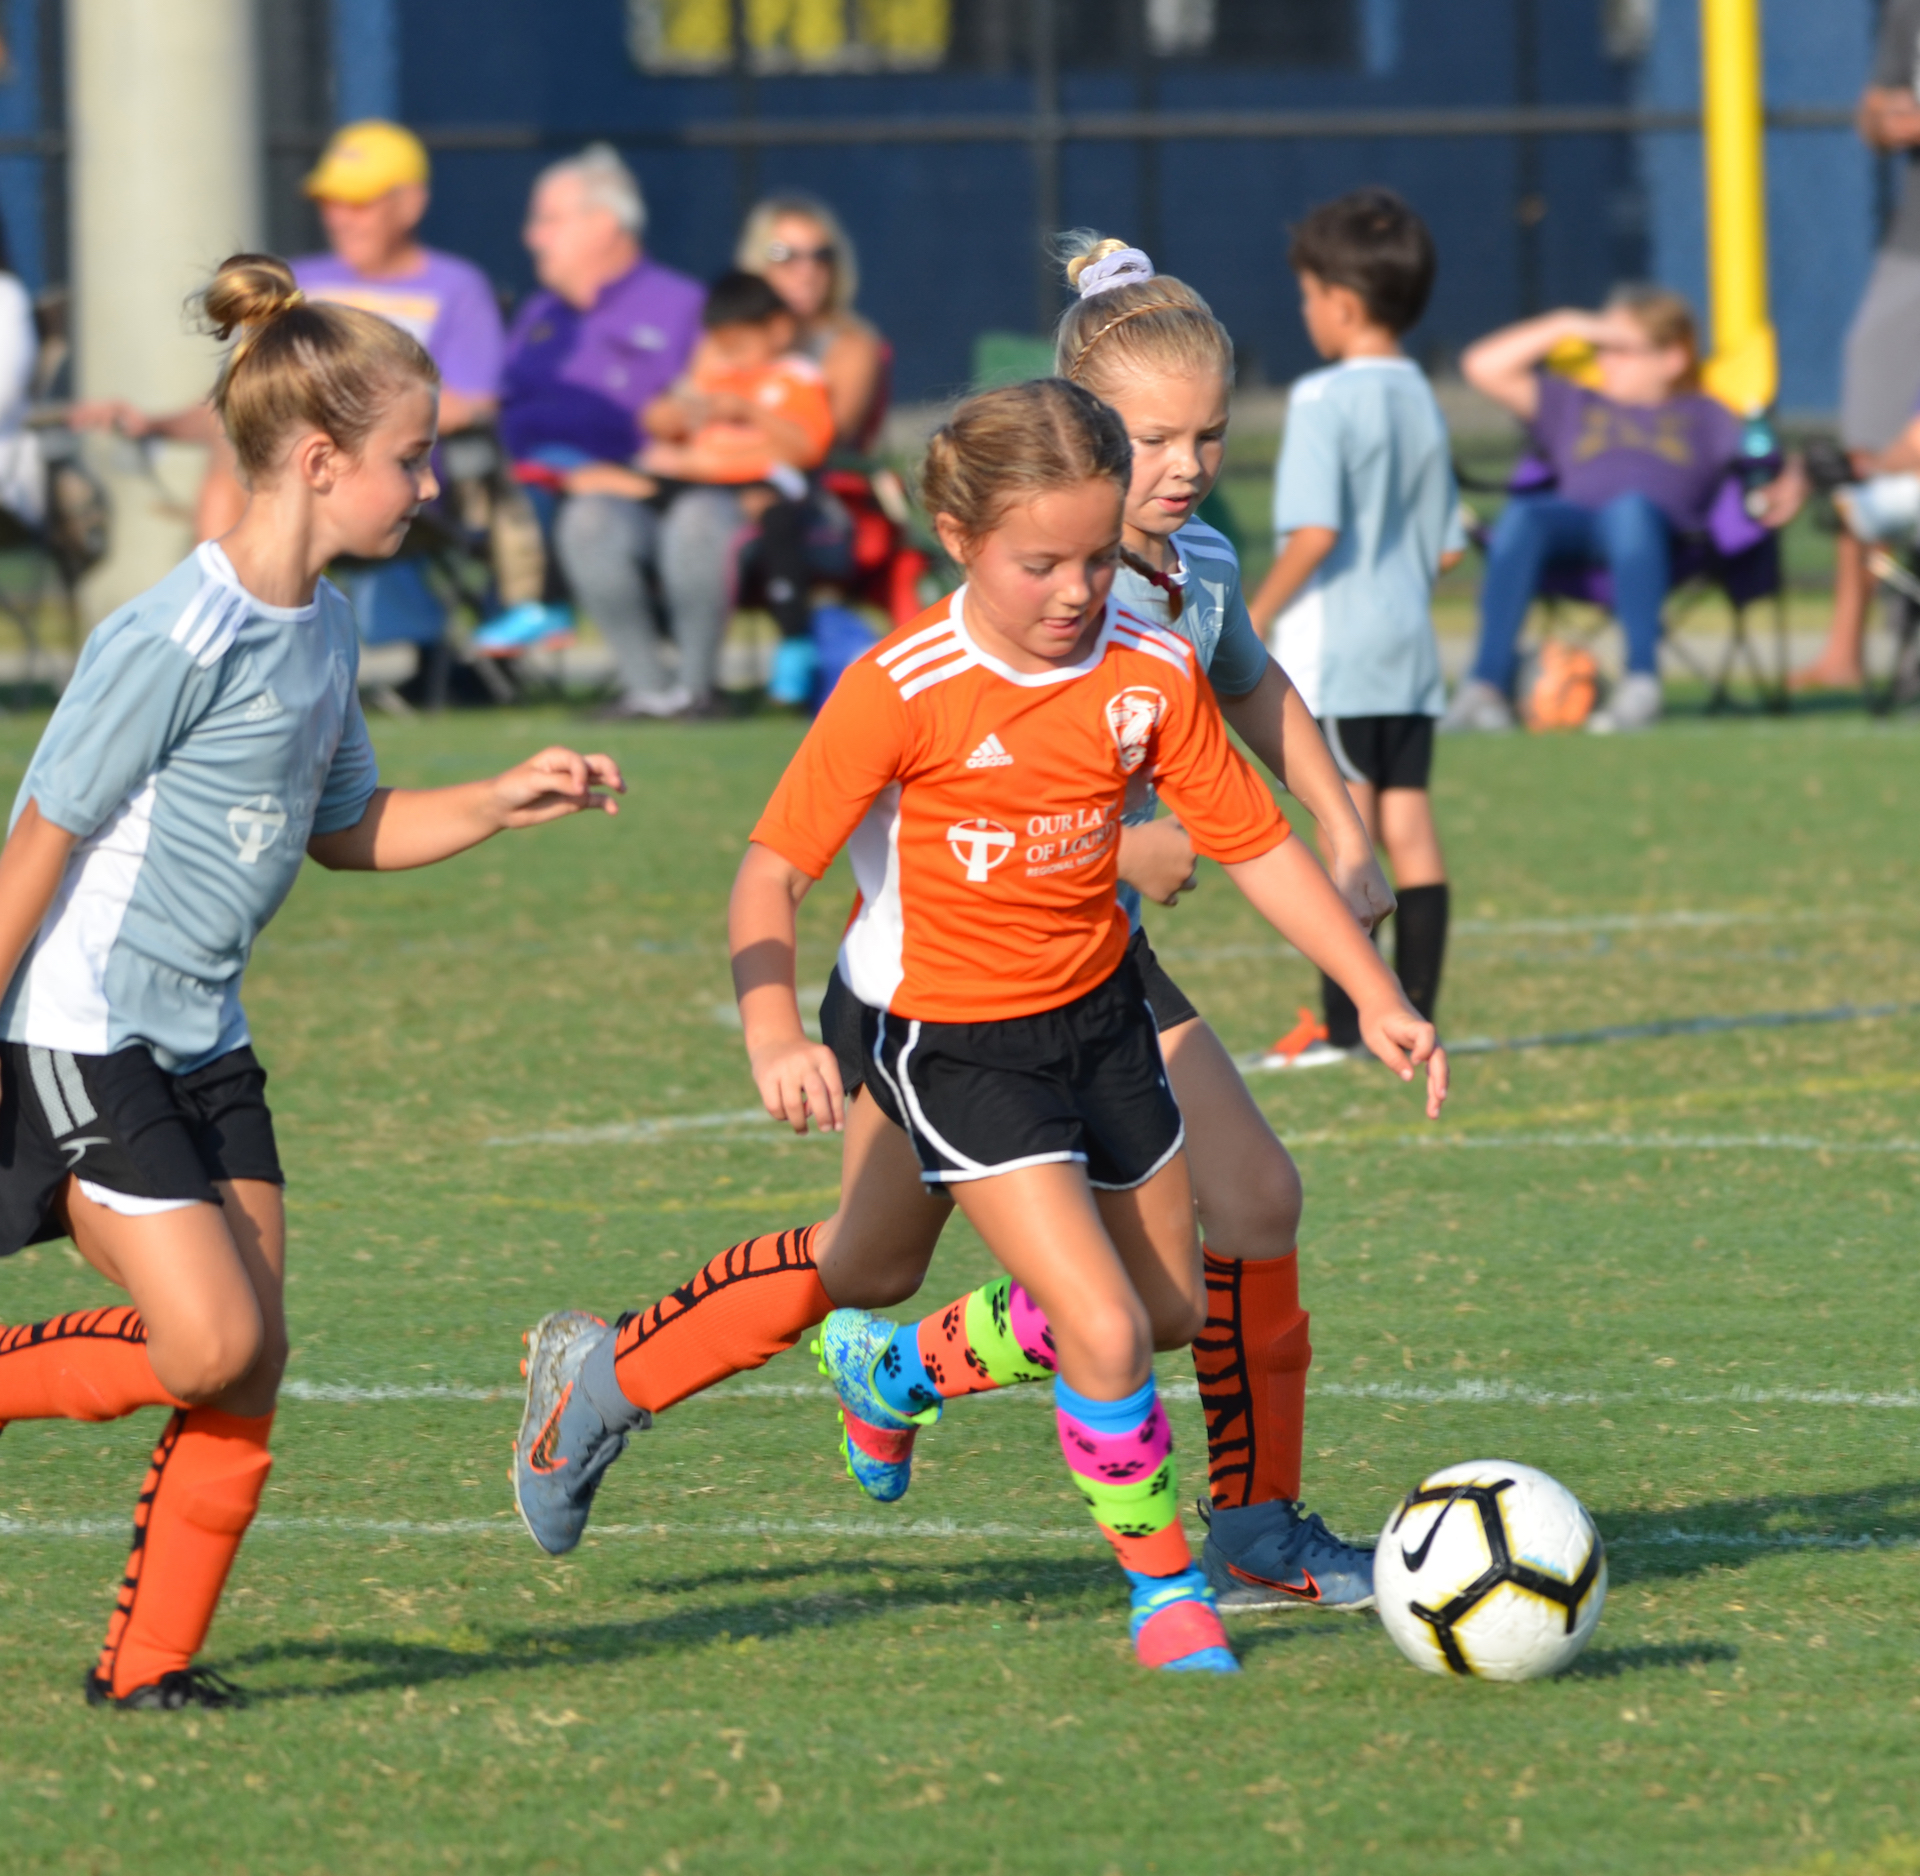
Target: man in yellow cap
370,186
371,189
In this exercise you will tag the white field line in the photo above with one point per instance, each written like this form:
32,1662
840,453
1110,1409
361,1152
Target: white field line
1630,1142
1463,1393
920,1530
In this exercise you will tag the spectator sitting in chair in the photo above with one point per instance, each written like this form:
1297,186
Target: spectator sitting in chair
797,245
610,330
735,439
1636,465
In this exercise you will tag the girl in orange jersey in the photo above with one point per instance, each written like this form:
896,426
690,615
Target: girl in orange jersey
977,765
1148,345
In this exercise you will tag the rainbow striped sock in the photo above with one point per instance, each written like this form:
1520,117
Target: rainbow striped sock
1121,1456
992,1337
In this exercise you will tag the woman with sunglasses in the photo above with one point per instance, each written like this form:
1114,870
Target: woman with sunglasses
798,245
1637,460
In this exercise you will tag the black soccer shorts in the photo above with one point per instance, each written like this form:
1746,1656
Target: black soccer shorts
1083,1083
122,1122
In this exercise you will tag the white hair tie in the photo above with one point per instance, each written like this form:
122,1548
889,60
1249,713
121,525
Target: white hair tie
1119,269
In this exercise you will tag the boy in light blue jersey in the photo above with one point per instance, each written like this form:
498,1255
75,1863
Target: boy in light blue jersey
1367,515
211,738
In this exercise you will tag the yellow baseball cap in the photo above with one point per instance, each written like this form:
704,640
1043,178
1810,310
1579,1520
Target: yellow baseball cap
363,161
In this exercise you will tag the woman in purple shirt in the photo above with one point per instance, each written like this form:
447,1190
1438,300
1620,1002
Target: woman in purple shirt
1636,465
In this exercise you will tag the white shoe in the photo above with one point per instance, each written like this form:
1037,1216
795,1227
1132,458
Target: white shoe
1634,705
1476,705
1320,1054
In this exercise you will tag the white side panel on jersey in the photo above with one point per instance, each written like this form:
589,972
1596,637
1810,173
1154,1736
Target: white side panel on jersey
65,1006
872,957
1299,642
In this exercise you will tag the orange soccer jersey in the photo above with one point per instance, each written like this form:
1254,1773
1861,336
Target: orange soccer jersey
982,807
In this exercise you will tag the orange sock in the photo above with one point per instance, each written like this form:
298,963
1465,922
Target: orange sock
1252,1360
90,1365
744,1308
200,1495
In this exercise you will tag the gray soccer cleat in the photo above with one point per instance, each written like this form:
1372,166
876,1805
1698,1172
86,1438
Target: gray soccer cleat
567,1437
1268,1556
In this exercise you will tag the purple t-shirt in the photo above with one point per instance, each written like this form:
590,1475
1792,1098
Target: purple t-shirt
1676,454
579,380
448,306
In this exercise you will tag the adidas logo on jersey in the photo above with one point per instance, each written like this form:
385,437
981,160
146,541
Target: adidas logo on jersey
990,755
264,706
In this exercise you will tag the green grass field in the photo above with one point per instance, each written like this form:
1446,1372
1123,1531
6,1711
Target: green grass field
1678,1273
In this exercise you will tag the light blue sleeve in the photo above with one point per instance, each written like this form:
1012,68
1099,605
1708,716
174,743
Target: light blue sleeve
354,776
1307,484
1239,659
135,695
1454,541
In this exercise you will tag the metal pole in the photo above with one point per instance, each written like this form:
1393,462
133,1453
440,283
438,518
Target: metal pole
746,160
1744,368
1046,158
1146,150
1530,202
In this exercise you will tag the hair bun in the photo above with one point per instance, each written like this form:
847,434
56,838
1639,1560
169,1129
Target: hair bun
248,291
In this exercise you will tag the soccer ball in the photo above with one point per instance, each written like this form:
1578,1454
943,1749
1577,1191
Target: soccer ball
1490,1569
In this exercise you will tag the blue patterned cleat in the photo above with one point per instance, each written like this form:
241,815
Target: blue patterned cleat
1177,1627
875,1440
1270,1557
566,1441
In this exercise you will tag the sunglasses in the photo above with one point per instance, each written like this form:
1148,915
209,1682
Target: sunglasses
780,252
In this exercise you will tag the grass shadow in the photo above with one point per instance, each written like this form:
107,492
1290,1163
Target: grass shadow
789,1604
1644,1545
1609,1664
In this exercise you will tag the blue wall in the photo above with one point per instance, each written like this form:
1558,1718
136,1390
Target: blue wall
1820,183
23,178
946,233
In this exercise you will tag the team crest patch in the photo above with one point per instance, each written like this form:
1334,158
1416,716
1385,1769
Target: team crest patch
1133,715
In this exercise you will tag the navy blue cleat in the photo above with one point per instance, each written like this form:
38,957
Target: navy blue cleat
1270,1557
567,1441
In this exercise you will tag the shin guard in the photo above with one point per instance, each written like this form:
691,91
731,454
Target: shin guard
201,1492
746,1306
1252,1360
88,1365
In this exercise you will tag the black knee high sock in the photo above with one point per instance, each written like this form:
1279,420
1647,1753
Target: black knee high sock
782,554
1342,1019
1420,944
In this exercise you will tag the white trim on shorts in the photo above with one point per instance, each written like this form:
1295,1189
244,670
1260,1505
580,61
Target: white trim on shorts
1159,1165
965,1169
1330,728
129,1206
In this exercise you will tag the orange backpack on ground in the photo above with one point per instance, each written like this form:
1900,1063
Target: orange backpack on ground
1565,688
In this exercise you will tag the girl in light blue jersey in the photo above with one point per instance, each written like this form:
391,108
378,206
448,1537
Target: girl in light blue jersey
211,737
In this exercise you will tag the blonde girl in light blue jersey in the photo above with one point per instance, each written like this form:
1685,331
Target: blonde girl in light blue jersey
211,738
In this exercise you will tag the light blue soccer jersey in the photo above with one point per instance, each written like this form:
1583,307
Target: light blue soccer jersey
1366,453
1213,620
204,738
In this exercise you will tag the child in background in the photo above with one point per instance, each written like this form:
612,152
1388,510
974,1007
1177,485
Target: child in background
1366,517
751,415
210,739
977,764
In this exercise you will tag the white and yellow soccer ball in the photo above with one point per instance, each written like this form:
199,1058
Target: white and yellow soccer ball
1490,1569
